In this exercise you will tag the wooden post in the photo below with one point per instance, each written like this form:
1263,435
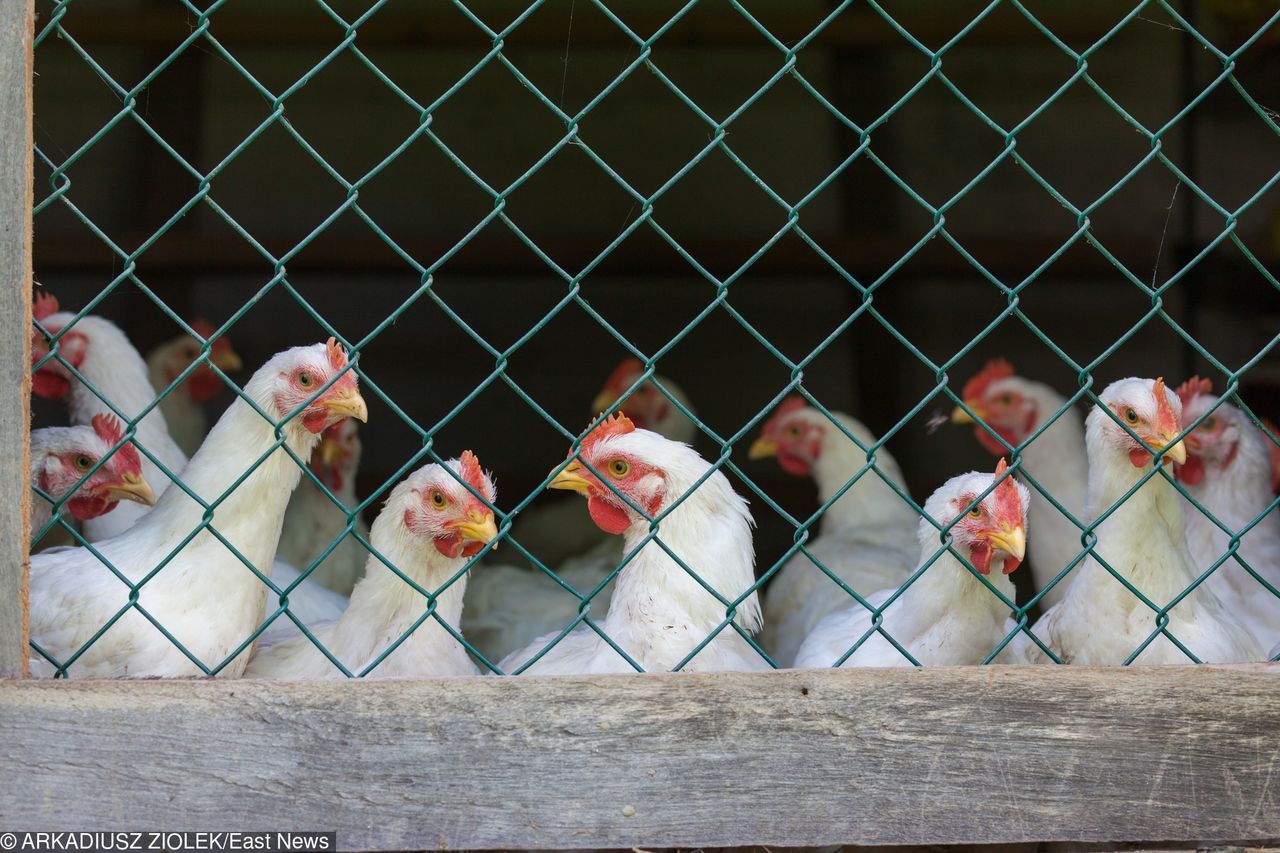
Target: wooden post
17,20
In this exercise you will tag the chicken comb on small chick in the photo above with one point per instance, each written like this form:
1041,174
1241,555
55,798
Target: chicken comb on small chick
474,475
1166,418
602,428
617,381
1008,501
44,305
993,371
337,355
1192,388
110,430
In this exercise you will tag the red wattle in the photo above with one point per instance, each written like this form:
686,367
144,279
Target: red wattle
49,385
1139,457
794,465
980,557
1190,472
203,384
991,445
1011,563
608,516
472,548
450,545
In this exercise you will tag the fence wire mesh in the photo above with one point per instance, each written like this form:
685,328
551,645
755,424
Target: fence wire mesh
57,23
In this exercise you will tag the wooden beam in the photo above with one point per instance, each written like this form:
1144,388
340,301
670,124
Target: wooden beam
798,758
16,18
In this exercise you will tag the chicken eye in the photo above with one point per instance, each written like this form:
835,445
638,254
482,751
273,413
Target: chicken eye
305,379
1006,399
976,512
619,468
1210,423
83,463
795,430
438,500
1131,416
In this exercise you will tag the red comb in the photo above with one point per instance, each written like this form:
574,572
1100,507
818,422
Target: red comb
43,305
994,371
616,424
1007,493
1194,387
205,329
1165,417
108,428
473,474
627,368
792,403
337,355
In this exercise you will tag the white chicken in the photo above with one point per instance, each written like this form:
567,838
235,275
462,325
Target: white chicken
430,526
509,606
866,538
659,614
946,617
556,531
184,408
1099,621
195,586
1015,407
62,456
1228,472
103,355
312,521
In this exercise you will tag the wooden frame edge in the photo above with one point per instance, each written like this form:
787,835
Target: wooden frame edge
799,758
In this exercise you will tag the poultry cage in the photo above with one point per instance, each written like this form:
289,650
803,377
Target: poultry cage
525,229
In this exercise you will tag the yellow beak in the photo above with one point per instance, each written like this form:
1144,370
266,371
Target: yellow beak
328,451
1012,541
960,416
132,488
762,448
1176,452
603,400
227,360
571,480
348,404
479,526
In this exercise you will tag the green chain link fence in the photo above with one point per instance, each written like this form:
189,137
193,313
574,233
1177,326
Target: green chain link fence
203,36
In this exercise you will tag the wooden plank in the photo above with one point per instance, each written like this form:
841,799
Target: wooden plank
16,18
798,758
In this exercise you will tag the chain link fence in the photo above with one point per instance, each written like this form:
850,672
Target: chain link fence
640,48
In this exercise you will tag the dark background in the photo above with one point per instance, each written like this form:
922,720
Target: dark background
129,186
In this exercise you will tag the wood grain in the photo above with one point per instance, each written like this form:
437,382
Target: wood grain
798,758
16,18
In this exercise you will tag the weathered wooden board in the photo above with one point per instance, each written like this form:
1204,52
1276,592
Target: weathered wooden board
799,758
16,17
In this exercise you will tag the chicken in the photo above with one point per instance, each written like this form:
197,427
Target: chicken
660,614
1228,472
61,457
103,355
312,522
188,580
184,407
430,527
947,616
556,531
509,606
1015,408
1098,620
866,537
